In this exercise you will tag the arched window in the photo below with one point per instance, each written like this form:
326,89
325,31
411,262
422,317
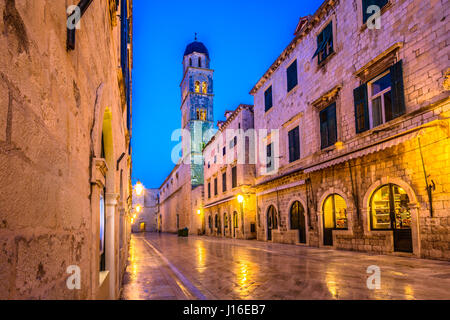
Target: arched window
197,86
389,208
225,220
199,62
190,62
201,114
204,87
335,212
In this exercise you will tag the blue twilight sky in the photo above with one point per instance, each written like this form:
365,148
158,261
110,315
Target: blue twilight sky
244,37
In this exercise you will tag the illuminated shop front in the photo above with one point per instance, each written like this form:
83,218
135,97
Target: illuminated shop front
334,217
389,210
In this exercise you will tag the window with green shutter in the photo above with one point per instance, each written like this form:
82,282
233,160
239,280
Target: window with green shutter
215,186
268,99
234,177
380,100
324,43
366,4
328,126
224,182
294,144
291,73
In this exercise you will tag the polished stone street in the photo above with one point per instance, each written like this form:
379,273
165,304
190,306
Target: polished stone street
163,266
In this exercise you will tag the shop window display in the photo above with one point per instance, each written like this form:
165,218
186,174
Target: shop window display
390,208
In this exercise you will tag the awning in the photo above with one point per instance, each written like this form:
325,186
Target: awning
361,152
219,202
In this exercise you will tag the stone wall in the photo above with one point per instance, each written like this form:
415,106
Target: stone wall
53,104
175,199
149,202
412,31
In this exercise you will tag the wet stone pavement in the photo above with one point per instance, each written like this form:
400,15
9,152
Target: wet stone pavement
166,267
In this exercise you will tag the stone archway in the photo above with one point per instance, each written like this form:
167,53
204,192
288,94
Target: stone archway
413,207
348,231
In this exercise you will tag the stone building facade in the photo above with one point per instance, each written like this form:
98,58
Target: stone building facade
229,208
182,191
145,219
65,157
358,112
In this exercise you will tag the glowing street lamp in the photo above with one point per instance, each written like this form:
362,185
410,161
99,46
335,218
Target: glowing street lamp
240,198
199,211
139,189
138,208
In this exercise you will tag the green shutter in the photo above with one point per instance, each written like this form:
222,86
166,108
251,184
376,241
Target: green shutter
297,143
361,109
291,146
332,124
398,93
292,76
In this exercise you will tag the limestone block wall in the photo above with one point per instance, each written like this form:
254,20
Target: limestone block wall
52,105
421,28
412,31
175,199
149,203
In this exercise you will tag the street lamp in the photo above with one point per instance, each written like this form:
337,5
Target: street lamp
240,199
138,208
139,189
199,211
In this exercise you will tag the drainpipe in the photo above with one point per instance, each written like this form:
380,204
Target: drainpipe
429,187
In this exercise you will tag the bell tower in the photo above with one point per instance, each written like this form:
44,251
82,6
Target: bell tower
197,97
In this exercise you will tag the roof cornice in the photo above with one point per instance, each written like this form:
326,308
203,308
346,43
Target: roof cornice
306,29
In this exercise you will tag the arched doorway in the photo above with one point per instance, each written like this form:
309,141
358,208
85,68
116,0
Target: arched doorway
298,222
210,225
272,221
334,217
390,210
225,224
235,223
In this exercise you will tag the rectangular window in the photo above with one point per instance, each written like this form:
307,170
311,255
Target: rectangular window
292,76
224,182
368,10
268,99
209,190
224,151
234,177
233,142
294,144
328,126
380,100
324,43
215,186
269,158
